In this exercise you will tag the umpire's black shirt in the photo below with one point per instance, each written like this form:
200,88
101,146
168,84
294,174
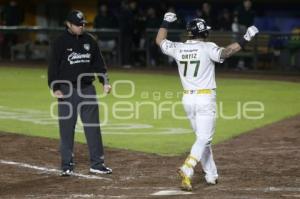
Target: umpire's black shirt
72,55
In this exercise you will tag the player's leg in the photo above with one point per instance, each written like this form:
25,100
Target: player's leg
205,133
186,171
205,124
89,113
67,113
209,166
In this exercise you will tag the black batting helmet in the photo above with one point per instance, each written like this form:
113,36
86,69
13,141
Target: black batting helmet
198,28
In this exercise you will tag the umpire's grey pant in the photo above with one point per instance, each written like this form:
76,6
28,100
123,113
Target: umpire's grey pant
69,108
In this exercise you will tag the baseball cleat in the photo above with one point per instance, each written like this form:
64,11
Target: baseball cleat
185,181
67,172
101,170
211,181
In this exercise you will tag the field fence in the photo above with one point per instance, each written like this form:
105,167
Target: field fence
269,50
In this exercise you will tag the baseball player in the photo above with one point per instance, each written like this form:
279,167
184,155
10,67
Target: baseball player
195,59
74,54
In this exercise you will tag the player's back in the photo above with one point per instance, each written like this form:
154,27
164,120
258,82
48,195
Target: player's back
195,60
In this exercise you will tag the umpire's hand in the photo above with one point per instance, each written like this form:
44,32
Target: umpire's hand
58,94
107,88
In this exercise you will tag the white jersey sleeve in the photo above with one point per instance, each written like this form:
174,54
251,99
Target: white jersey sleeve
168,47
214,52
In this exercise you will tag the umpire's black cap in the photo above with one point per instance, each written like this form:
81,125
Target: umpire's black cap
76,17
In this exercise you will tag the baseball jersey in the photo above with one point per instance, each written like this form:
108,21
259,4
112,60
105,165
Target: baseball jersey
196,62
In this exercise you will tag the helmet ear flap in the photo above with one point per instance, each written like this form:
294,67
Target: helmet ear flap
205,34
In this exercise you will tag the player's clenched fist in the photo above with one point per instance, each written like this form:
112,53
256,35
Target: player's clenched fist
170,17
251,32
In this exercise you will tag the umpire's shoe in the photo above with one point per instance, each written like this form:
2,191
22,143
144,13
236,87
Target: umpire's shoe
186,184
66,172
102,169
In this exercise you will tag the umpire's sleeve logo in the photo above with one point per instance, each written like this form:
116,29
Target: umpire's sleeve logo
86,47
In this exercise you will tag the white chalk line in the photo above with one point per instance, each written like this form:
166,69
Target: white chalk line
267,189
56,171
170,193
66,196
90,177
136,188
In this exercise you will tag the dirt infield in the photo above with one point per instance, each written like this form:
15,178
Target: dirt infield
261,164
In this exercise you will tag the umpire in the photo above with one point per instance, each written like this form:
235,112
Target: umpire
74,58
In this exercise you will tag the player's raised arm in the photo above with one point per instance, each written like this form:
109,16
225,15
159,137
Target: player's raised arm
237,46
169,17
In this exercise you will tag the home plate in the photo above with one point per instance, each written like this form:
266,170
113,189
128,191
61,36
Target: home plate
171,193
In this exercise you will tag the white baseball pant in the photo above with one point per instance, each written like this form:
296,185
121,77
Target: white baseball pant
201,111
